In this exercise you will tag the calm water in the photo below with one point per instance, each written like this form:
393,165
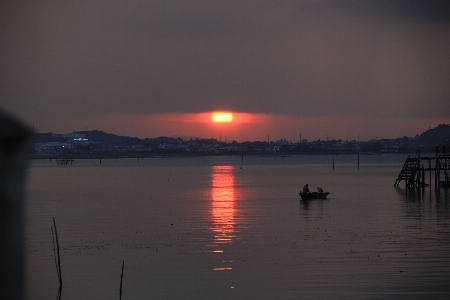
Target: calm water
220,228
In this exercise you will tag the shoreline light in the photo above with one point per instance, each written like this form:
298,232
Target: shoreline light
222,117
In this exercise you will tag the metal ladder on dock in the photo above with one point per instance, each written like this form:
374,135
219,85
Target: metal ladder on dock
410,172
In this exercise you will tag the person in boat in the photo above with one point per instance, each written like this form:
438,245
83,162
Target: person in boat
306,189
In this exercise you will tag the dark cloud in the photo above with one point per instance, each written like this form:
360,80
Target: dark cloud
201,19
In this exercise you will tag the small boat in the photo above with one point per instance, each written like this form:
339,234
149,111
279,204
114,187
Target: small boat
313,195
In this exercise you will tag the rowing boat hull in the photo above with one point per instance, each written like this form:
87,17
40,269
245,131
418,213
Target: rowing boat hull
307,196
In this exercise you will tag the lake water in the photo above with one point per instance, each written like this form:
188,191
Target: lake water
223,228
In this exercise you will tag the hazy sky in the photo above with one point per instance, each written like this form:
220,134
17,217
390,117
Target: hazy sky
151,68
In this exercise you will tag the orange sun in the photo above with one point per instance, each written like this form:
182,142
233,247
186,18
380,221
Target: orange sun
222,117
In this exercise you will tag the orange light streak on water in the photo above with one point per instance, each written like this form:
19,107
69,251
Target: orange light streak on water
223,207
223,269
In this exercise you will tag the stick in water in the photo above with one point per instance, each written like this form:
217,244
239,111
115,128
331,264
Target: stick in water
54,251
121,279
57,252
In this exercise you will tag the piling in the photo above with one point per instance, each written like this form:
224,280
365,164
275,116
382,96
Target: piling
429,167
423,176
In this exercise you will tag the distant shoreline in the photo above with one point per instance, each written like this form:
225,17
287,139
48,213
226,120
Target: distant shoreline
192,155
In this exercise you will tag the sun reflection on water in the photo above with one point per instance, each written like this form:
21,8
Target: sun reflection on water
223,208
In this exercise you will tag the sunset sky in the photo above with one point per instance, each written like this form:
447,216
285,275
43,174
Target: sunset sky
380,69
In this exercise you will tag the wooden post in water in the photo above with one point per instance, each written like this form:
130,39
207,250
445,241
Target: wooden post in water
100,160
439,174
333,163
435,173
429,167
423,176
358,160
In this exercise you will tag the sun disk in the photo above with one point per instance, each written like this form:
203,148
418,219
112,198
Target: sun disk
222,117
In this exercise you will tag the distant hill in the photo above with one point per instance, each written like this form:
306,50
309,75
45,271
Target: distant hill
48,137
438,136
103,137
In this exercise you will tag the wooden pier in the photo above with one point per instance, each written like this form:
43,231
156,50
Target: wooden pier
64,162
414,170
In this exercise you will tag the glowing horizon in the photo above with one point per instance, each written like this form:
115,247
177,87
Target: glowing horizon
244,127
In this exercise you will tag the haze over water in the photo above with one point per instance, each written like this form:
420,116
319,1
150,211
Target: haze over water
222,228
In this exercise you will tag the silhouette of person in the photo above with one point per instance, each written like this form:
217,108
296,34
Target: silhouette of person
305,189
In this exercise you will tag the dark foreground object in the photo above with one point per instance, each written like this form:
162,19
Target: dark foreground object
15,141
314,195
